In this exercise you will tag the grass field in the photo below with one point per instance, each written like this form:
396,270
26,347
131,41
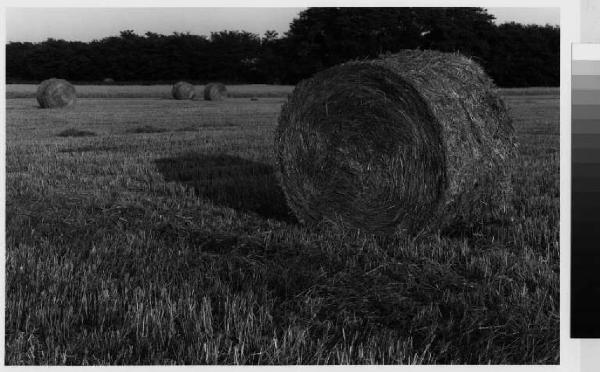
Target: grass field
236,91
152,231
151,91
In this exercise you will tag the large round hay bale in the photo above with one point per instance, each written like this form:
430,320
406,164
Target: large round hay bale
215,92
183,90
413,141
53,93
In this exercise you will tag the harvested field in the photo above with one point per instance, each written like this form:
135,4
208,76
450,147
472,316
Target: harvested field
164,238
151,91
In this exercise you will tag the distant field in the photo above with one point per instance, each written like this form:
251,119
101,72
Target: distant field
552,91
151,91
153,231
236,91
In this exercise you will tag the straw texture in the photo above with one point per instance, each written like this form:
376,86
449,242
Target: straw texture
215,92
55,93
183,90
409,142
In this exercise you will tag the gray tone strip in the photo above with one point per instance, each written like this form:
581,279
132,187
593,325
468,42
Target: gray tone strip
586,82
585,68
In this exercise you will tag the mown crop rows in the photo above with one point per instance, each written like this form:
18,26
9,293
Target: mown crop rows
143,231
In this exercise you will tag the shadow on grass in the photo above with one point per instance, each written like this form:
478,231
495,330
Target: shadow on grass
146,129
230,181
72,132
90,149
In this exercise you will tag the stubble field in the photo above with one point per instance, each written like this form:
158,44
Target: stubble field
153,231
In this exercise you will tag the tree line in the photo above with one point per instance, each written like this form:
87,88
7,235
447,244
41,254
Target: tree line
514,55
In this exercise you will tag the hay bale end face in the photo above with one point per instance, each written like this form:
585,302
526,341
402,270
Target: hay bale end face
55,93
408,142
183,90
215,92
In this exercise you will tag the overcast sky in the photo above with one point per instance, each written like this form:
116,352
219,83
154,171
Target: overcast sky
85,24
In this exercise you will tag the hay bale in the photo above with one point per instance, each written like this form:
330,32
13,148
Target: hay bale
53,93
108,81
215,92
408,142
183,90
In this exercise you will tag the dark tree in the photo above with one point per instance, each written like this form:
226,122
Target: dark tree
323,37
513,54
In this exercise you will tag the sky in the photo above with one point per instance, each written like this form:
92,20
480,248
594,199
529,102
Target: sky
540,16
86,24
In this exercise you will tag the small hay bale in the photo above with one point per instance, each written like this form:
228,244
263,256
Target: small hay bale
108,81
54,93
215,92
183,90
409,142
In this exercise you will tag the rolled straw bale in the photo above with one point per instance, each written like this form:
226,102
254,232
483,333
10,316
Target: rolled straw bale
413,141
215,92
183,90
54,93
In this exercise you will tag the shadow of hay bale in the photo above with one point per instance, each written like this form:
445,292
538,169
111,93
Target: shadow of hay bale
230,181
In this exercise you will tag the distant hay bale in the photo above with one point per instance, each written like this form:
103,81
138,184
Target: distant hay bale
413,141
215,92
108,81
183,90
53,93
